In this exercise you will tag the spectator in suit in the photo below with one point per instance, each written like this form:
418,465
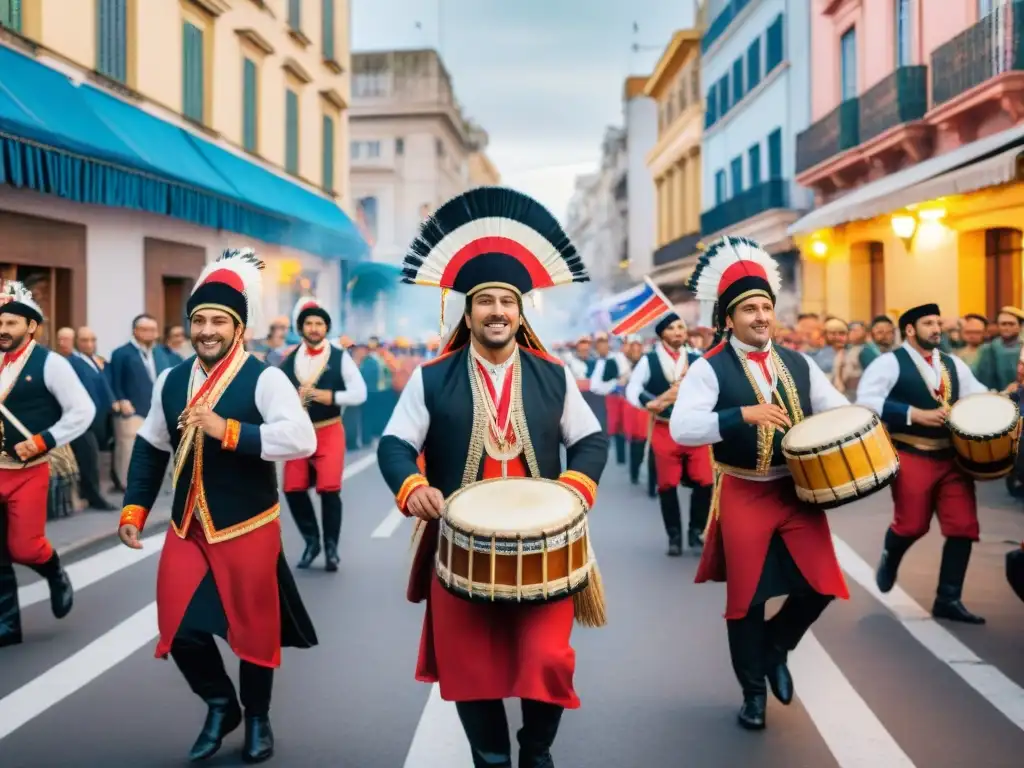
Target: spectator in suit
133,369
86,447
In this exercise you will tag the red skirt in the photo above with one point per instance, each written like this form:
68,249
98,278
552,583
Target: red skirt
477,651
636,422
749,514
616,406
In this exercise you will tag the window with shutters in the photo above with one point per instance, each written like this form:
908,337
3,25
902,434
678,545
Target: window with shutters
774,47
328,29
295,14
720,192
711,107
754,64
736,176
737,80
775,154
291,132
754,164
250,105
111,38
723,97
328,158
193,76
10,14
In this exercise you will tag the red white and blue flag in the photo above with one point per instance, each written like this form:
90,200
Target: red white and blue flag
632,310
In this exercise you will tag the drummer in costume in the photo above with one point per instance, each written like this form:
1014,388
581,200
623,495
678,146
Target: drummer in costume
912,389
328,380
494,404
226,418
653,386
44,407
761,540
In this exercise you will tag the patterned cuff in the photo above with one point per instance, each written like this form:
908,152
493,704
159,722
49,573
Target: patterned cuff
232,432
135,515
41,444
582,484
412,482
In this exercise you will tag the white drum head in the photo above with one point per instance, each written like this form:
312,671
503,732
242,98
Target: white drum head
983,414
514,505
824,428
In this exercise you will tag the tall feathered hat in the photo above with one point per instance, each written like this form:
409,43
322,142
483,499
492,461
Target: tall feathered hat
16,299
306,307
233,284
729,271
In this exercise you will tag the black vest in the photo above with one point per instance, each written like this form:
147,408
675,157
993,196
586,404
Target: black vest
238,487
611,369
30,401
736,391
449,401
330,378
911,389
657,384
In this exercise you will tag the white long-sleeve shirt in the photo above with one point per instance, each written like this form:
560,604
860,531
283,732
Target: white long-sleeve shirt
77,408
286,432
598,385
355,386
694,420
880,377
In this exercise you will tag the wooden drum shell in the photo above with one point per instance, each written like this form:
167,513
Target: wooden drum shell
986,457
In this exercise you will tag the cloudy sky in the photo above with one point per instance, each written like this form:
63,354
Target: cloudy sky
543,77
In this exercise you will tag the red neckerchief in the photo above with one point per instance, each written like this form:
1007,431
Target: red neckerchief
761,358
10,358
214,375
505,402
673,353
314,351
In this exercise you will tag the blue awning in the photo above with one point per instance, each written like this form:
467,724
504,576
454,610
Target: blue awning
82,144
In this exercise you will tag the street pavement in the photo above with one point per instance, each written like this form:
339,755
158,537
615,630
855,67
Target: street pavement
879,683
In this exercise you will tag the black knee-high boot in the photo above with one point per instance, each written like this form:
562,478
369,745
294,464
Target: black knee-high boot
256,684
784,632
486,728
893,550
956,554
540,727
700,505
10,612
671,516
636,458
62,595
747,650
305,520
330,511
620,449
200,663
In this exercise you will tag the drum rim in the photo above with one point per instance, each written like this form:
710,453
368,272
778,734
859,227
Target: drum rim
796,453
546,533
987,436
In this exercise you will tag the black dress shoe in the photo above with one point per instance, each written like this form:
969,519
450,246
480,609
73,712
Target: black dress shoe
779,678
312,553
222,718
695,540
751,714
332,557
259,739
954,610
62,594
675,547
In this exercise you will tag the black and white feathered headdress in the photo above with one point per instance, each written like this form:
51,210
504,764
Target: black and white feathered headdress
16,299
730,270
233,284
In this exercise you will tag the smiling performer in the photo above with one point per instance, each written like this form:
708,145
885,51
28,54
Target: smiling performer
741,397
494,404
912,389
653,386
226,417
43,406
328,380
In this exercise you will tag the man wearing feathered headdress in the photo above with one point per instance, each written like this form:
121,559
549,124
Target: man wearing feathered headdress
741,398
327,380
652,387
225,417
494,404
43,406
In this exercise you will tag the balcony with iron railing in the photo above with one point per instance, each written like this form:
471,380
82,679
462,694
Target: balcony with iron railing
767,196
900,98
836,132
677,250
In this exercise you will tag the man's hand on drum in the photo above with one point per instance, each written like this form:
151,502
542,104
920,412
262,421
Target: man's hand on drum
766,415
935,417
426,503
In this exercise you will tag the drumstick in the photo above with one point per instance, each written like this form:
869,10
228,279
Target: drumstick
782,405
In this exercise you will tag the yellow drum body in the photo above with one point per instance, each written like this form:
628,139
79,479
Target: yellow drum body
516,539
840,456
985,430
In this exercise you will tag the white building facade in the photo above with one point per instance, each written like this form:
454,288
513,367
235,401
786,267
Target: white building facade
641,116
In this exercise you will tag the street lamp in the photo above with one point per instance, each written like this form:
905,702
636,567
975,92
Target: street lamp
905,227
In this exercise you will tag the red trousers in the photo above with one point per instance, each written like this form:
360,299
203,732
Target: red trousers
926,487
328,462
616,408
25,493
750,512
635,422
673,462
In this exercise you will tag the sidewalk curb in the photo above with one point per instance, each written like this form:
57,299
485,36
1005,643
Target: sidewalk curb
111,536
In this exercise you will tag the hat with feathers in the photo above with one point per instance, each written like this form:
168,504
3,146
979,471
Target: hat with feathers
233,284
308,306
729,271
16,299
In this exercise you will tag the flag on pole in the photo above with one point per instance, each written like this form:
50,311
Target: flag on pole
636,308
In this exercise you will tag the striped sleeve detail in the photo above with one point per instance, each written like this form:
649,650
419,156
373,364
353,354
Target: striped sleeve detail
411,483
135,515
582,484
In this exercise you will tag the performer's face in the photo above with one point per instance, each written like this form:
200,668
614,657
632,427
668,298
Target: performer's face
927,332
753,321
602,347
314,330
13,331
494,317
675,335
213,333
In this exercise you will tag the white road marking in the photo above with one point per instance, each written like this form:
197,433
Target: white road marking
852,732
76,671
991,684
359,465
439,741
388,525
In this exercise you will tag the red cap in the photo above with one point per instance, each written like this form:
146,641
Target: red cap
739,270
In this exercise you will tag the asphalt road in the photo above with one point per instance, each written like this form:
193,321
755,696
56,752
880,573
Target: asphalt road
879,684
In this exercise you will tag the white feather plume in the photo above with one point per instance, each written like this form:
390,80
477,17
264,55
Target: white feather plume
718,257
15,290
249,267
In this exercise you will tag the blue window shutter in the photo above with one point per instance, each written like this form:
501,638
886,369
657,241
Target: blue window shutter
328,29
249,105
295,14
112,39
291,132
328,169
192,73
774,47
775,154
736,175
10,14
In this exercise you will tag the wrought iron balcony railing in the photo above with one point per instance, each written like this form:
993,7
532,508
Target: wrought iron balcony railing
836,132
677,250
900,98
747,204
